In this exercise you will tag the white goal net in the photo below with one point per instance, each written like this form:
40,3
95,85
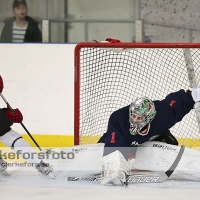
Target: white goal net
110,76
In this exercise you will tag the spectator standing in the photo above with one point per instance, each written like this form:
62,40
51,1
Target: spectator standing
21,27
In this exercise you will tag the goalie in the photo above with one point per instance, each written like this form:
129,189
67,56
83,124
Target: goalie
143,120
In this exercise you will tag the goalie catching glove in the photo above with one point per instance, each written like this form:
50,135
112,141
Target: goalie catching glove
115,169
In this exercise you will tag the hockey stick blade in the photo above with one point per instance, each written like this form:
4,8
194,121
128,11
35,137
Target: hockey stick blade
147,177
138,177
156,177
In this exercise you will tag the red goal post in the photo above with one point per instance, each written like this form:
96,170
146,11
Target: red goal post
108,76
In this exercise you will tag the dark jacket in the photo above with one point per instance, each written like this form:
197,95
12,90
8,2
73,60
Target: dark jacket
170,111
33,33
5,123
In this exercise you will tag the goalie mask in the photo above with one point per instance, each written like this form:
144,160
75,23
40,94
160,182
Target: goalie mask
141,112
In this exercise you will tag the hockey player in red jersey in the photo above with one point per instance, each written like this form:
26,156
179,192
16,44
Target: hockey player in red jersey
139,122
13,139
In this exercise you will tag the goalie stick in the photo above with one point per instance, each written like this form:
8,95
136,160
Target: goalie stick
140,176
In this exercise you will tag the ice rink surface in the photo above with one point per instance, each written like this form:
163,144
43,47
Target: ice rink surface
29,185
25,183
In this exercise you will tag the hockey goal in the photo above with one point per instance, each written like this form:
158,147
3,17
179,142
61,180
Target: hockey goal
110,76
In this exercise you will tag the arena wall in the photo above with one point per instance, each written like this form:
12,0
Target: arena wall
38,80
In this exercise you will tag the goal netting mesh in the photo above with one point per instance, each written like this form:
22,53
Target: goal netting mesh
110,76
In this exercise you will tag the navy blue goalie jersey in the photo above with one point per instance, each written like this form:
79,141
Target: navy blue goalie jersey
170,110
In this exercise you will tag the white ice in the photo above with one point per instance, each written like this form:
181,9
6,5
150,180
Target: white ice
25,183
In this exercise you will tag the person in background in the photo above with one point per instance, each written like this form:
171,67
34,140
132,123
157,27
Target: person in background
21,27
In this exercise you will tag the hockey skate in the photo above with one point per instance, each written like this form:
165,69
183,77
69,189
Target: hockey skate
3,167
45,169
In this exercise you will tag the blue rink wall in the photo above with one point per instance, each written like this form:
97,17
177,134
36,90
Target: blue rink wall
38,79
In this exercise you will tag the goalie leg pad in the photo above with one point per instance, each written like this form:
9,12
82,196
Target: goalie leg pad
115,169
